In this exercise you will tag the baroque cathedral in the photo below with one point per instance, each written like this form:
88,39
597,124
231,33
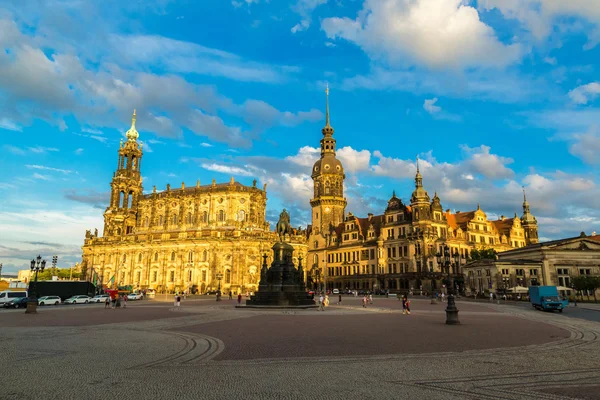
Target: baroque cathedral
412,246
197,238
204,237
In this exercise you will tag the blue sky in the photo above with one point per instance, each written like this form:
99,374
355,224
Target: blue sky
492,95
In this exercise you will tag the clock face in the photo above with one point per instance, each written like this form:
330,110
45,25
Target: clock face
327,209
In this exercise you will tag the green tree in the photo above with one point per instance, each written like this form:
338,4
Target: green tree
587,283
483,254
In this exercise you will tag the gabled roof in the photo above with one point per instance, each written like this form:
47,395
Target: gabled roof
364,224
460,219
503,226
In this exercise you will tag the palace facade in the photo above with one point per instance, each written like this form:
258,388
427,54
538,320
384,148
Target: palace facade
412,246
195,238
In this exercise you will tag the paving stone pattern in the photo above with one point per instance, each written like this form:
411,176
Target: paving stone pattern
205,350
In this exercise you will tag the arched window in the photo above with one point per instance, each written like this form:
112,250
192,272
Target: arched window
174,219
161,220
173,256
121,199
221,216
140,257
146,221
242,216
327,188
204,255
190,256
155,256
133,162
188,219
129,200
124,257
227,276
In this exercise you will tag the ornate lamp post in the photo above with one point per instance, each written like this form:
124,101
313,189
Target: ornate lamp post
37,265
219,276
451,310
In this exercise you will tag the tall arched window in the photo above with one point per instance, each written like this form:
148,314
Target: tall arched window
174,219
190,256
188,219
242,216
133,162
155,256
173,256
124,257
140,257
205,216
146,221
227,276
121,199
327,188
161,220
221,216
204,255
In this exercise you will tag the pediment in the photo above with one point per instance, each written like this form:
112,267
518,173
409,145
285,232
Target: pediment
578,245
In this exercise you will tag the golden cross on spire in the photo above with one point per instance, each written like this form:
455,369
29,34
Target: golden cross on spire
133,118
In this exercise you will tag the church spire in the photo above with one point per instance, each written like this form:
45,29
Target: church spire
132,134
328,129
418,177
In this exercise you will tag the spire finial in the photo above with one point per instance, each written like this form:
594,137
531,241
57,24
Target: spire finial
394,193
327,105
132,133
524,195
417,163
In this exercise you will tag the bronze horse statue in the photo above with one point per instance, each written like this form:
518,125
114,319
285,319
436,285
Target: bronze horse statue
283,225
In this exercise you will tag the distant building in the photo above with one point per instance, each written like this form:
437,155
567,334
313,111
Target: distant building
551,263
181,238
396,250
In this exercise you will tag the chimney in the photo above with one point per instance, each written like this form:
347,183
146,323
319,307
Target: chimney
370,215
502,217
182,186
448,211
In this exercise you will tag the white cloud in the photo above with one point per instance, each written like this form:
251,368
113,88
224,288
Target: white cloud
306,156
585,93
430,107
14,149
433,33
304,8
9,125
39,149
540,16
586,145
491,166
45,168
204,144
227,169
354,160
42,177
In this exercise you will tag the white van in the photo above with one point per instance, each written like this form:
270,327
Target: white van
8,295
336,291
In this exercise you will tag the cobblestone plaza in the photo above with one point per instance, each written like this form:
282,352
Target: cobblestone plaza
213,351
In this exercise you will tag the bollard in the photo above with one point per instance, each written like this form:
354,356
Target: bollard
452,312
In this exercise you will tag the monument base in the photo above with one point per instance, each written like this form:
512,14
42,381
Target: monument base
276,300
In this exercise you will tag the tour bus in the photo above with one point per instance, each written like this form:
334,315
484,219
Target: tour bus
8,295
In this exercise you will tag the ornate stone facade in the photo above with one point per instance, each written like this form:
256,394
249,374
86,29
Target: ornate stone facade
181,238
398,249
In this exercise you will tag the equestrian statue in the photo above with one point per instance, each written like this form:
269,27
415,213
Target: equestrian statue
283,227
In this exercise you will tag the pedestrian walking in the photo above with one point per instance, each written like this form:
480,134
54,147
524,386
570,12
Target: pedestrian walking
175,300
364,301
321,302
230,295
407,305
178,301
326,303
370,298
443,296
340,299
125,301
404,304
239,298
107,302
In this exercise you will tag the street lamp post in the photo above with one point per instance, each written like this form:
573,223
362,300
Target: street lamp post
37,265
451,310
219,276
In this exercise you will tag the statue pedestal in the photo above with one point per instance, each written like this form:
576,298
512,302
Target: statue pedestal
282,285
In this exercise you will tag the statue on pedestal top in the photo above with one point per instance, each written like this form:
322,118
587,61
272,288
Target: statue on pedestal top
283,227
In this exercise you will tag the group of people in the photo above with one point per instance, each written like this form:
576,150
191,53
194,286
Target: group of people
115,302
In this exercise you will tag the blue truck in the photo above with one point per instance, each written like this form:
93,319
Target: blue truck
546,298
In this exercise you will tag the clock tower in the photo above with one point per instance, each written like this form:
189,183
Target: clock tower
328,204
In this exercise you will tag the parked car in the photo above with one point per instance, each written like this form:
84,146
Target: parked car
336,291
46,300
8,295
17,302
78,299
135,296
101,298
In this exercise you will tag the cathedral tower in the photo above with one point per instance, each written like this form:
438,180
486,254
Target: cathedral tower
328,204
126,187
419,201
529,223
